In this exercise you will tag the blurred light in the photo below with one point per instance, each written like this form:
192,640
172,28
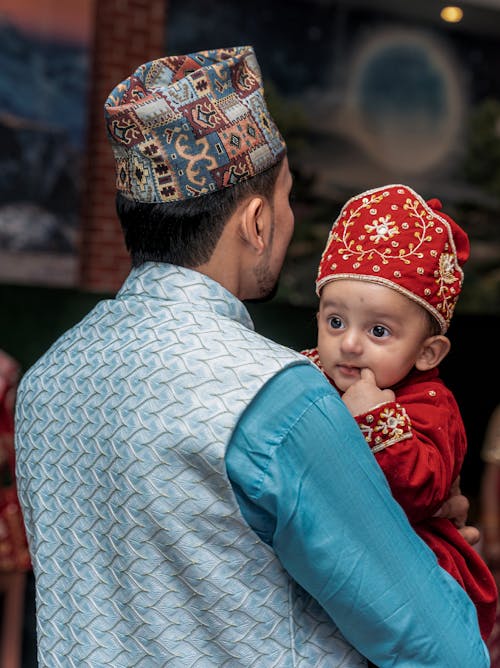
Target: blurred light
452,14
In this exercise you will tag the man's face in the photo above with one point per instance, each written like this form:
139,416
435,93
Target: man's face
268,270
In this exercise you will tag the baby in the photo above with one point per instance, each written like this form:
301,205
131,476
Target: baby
388,282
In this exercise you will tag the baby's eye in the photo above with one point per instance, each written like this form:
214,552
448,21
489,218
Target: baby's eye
335,322
380,331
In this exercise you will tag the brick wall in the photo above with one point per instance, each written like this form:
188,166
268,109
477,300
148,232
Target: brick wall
127,33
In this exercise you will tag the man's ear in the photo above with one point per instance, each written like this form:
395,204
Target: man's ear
433,351
253,219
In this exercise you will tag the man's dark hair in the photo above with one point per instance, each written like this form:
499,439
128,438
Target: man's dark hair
185,233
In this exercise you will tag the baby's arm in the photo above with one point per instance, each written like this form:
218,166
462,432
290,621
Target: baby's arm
418,440
364,394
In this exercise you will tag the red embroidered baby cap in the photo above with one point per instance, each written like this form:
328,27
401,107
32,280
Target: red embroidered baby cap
391,236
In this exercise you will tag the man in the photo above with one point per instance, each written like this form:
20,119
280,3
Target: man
196,494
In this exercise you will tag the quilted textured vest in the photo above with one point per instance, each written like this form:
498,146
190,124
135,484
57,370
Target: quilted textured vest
141,555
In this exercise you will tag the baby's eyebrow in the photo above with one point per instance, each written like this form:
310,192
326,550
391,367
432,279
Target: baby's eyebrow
329,303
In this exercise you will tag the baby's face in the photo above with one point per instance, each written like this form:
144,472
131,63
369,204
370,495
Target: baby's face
368,325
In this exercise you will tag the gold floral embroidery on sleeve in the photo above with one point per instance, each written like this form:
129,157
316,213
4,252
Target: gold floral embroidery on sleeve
385,425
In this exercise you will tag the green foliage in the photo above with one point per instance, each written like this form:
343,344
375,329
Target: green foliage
482,162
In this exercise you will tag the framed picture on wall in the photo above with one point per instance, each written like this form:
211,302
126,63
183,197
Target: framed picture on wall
45,53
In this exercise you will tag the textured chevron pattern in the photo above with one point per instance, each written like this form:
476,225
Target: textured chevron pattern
141,556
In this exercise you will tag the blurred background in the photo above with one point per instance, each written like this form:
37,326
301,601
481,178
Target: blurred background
366,93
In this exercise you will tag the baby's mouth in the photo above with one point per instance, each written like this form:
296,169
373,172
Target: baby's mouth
348,370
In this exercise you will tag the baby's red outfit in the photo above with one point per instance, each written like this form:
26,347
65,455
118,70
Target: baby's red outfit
420,443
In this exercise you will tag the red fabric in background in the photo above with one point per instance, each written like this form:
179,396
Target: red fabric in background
14,555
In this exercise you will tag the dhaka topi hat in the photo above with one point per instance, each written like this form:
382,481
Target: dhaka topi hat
391,236
185,126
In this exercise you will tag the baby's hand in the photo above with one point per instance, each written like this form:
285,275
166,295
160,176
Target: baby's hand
364,394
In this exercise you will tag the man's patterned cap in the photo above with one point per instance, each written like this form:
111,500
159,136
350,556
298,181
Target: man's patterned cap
390,235
185,126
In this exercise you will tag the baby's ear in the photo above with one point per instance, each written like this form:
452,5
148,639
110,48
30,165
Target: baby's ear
433,351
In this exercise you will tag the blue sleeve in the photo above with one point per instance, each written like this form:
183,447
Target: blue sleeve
309,486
